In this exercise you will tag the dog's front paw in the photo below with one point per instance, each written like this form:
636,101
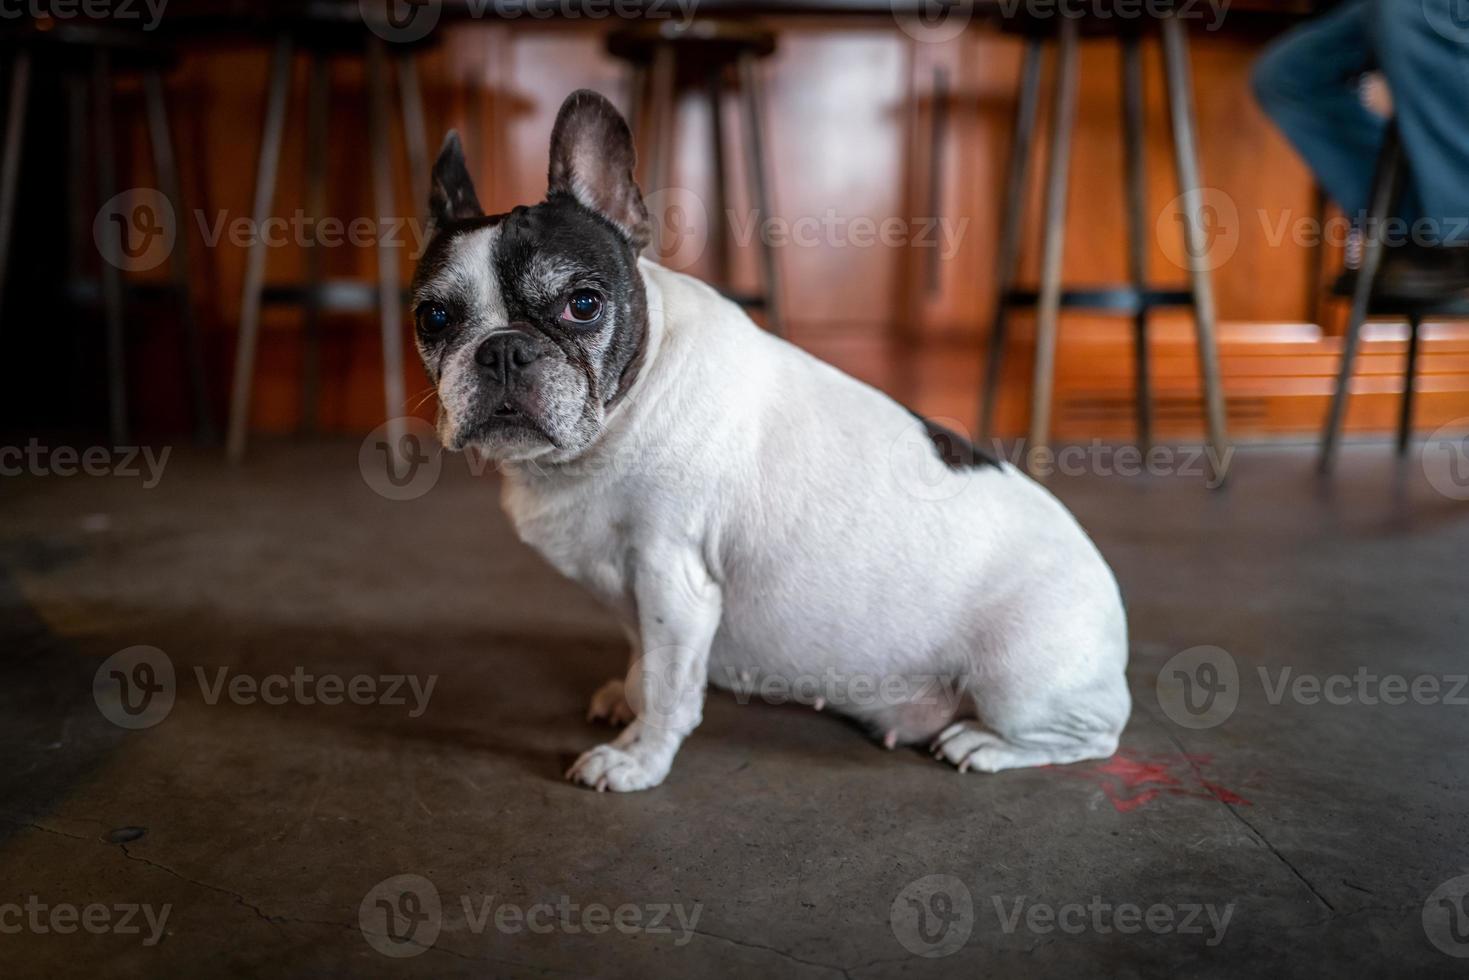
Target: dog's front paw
608,767
609,704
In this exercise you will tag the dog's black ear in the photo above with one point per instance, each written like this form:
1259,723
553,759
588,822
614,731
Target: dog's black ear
592,160
451,198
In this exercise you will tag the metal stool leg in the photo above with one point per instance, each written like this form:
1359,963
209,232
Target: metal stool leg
270,152
389,296
660,121
1410,375
719,213
318,123
168,176
117,408
415,130
15,123
659,137
1186,159
1386,187
1134,122
637,92
1048,307
1017,173
760,180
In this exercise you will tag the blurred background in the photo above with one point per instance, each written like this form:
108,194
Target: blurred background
887,129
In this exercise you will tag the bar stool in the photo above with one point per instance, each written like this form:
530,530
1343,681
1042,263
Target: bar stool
1368,299
89,58
324,31
660,52
1137,298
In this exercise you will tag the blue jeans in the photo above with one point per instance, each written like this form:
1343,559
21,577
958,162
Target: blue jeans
1307,82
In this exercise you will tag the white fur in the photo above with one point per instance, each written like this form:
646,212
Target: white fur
754,516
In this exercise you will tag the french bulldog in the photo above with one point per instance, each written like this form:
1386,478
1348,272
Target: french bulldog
753,517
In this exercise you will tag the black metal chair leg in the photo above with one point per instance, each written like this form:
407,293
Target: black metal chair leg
1410,376
389,296
168,176
270,152
112,255
1135,164
15,122
760,186
1017,175
1386,187
1048,307
80,248
1186,160
318,124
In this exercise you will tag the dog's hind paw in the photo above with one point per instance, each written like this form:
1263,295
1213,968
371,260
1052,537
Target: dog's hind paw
609,704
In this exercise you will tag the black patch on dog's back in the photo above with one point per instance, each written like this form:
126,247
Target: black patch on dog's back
957,452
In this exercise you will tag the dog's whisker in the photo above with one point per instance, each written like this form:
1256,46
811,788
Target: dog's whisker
423,397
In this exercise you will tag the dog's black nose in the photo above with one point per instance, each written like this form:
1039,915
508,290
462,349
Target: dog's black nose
505,352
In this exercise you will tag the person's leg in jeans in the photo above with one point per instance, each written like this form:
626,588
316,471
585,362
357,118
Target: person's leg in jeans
1307,82
1424,53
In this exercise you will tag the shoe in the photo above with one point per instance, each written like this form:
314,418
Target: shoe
1417,273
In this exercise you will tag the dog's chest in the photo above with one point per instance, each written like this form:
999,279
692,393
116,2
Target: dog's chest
587,538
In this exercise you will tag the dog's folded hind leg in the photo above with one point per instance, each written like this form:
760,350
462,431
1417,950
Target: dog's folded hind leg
969,745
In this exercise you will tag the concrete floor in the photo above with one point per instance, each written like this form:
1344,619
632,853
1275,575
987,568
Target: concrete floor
1321,830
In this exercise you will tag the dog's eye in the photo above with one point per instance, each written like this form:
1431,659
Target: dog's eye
585,306
432,318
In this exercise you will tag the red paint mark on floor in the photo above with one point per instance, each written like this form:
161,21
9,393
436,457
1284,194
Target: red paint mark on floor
1131,780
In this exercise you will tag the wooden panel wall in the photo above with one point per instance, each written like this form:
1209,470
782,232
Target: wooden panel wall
852,105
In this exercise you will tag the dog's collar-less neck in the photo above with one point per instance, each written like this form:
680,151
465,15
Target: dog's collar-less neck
635,374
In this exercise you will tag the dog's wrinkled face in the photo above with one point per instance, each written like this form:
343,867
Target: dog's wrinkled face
532,324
